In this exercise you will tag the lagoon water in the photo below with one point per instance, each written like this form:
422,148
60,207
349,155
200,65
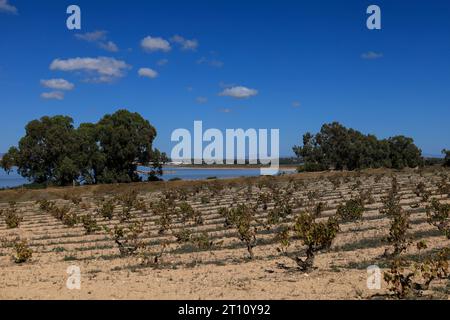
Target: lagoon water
204,173
11,180
14,180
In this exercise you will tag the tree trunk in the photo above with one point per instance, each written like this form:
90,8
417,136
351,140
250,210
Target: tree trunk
250,251
308,263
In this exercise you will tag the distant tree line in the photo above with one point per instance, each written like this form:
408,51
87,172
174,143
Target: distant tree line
447,157
289,161
337,147
53,151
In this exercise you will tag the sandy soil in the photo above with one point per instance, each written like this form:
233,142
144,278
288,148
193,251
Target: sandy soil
223,273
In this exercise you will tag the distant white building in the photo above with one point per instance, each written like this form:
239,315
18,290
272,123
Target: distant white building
174,163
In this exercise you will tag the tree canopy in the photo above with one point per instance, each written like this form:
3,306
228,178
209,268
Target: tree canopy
447,157
53,151
337,147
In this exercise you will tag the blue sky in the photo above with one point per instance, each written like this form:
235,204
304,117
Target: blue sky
302,63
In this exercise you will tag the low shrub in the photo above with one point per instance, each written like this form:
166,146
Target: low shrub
241,218
76,200
45,205
140,205
319,208
351,210
399,221
409,281
263,200
89,223
188,213
438,215
12,218
127,199
316,236
205,199
59,212
164,209
127,238
125,214
106,209
281,210
183,236
422,192
366,197
23,253
21,250
283,238
398,233
70,219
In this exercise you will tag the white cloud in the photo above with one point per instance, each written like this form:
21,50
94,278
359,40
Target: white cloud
109,46
185,44
210,62
57,84
239,92
92,36
372,55
201,100
99,37
162,62
151,44
225,110
147,72
190,44
5,6
101,69
54,95
296,104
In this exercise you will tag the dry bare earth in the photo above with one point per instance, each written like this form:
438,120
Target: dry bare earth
224,272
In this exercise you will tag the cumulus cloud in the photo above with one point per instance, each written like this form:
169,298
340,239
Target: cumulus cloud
162,62
148,73
109,46
101,69
98,37
239,92
53,95
210,62
185,44
57,84
92,36
201,100
5,6
372,55
152,44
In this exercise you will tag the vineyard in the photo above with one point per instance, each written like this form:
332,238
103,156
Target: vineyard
303,236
